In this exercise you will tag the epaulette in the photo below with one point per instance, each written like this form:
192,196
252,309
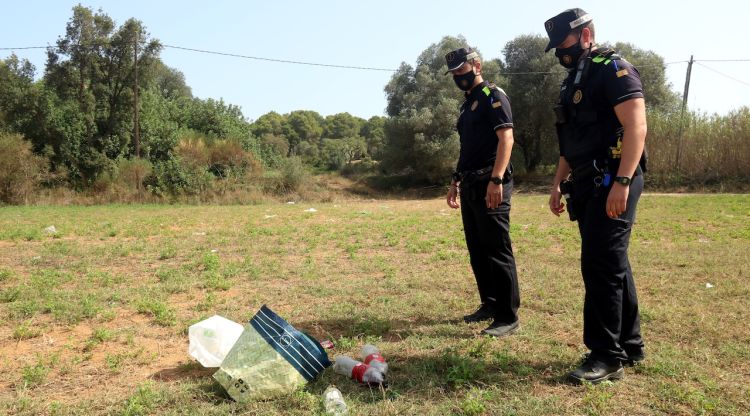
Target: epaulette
493,87
605,57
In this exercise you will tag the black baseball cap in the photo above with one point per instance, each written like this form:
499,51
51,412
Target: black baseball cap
560,26
456,58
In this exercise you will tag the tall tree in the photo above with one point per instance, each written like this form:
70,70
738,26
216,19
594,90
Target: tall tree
533,87
270,123
342,125
374,134
169,82
92,69
304,126
17,94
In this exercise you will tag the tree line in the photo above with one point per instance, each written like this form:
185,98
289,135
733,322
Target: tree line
75,126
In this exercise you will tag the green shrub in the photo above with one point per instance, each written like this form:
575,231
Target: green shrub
21,171
174,177
292,175
124,179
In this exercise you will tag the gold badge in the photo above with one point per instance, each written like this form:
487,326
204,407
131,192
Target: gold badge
622,73
616,151
496,104
474,105
577,97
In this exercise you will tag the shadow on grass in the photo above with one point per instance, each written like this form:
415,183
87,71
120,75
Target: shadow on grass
389,330
186,371
449,373
418,378
453,370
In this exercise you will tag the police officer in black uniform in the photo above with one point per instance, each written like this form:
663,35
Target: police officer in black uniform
484,182
601,126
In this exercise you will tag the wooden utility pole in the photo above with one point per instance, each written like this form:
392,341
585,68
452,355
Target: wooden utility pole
682,114
136,123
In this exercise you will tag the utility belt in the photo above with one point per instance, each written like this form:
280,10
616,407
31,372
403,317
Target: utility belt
587,180
468,178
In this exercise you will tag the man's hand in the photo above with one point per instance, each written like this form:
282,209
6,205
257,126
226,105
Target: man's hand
452,198
617,200
555,201
494,195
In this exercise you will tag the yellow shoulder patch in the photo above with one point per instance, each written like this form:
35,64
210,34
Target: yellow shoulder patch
622,73
496,104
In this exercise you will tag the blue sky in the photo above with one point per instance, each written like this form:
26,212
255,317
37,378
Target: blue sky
383,34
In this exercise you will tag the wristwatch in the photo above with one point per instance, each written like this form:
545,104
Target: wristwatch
623,180
496,180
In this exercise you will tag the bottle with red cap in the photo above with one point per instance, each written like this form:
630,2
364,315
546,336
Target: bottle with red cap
357,370
371,356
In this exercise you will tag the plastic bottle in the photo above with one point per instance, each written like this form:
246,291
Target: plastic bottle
371,356
357,370
334,402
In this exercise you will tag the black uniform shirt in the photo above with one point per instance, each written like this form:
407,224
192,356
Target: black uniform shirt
593,129
485,110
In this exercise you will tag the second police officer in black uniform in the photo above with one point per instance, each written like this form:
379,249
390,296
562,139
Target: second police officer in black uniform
483,174
601,126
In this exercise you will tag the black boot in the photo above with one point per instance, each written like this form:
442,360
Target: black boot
484,313
635,358
501,329
595,371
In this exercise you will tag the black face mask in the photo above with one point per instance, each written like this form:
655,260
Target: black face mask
465,81
568,57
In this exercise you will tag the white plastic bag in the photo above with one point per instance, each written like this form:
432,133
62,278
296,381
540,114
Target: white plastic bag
211,340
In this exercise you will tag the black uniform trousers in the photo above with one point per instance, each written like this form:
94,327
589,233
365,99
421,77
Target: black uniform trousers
611,323
487,234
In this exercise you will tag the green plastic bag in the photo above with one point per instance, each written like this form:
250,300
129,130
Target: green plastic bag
271,358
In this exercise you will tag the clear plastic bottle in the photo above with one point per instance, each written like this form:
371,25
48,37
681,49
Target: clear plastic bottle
371,356
334,402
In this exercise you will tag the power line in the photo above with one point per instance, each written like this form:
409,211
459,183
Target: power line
722,60
723,74
279,60
23,47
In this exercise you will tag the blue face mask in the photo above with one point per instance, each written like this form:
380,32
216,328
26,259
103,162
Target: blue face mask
569,56
465,81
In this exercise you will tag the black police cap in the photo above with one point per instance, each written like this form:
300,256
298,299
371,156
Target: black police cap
456,58
560,26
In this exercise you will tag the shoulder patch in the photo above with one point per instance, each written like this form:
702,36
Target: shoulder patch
605,57
621,73
498,92
486,91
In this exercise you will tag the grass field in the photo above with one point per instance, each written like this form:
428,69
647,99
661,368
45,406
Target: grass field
94,317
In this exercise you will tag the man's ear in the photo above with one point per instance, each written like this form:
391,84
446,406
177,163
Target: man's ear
478,65
586,36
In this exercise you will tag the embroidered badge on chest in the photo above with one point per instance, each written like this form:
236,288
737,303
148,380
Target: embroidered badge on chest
577,97
474,105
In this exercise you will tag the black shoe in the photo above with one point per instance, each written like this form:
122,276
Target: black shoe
635,359
501,329
595,371
484,313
